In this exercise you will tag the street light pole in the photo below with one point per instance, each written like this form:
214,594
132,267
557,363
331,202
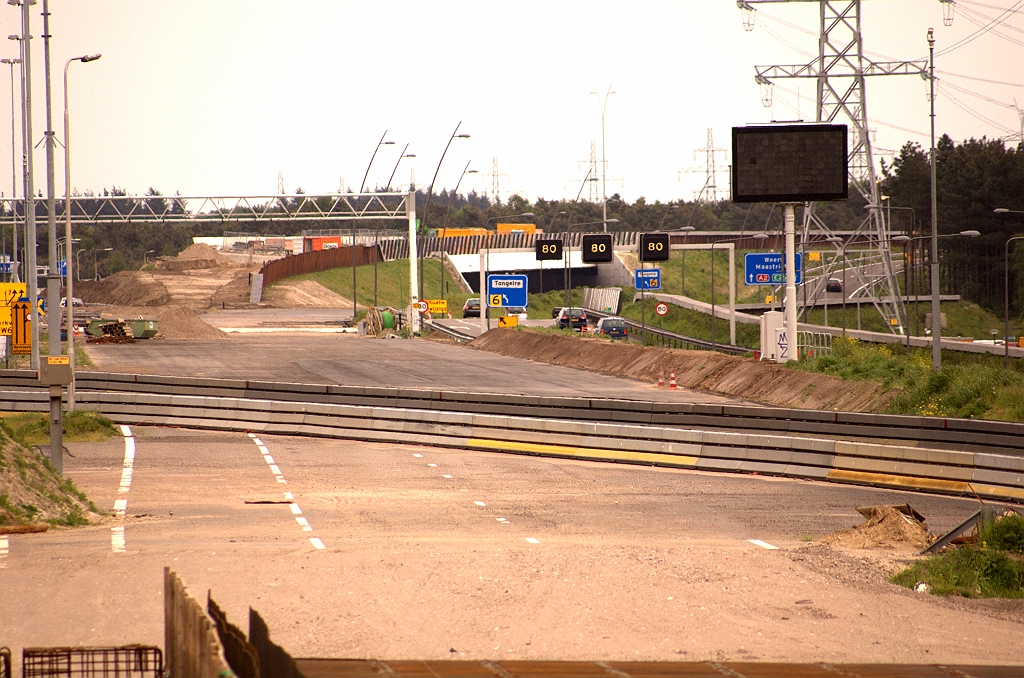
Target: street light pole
444,227
430,191
682,267
67,227
14,182
936,318
362,186
1006,299
397,162
604,161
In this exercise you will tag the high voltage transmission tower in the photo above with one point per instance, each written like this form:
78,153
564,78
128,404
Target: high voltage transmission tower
495,176
839,71
709,191
595,191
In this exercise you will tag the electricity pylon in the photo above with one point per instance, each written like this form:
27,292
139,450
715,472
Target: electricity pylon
839,72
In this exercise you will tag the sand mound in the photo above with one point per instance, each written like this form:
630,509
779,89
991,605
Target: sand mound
303,294
181,322
705,370
885,527
32,492
127,288
196,256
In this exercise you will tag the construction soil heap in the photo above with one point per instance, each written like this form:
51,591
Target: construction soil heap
705,370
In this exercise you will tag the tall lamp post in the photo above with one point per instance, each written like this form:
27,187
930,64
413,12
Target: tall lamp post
397,163
14,180
380,143
604,162
430,191
1006,286
444,227
936,320
69,287
95,261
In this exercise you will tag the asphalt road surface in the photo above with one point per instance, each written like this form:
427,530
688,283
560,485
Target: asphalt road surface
362,361
437,553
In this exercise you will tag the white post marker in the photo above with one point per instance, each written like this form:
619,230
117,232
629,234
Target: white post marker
732,294
483,291
414,317
790,216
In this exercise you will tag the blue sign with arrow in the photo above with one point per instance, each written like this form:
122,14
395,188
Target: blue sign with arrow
767,268
647,279
507,290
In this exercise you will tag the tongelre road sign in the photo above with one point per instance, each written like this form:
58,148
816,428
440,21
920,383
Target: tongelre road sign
510,290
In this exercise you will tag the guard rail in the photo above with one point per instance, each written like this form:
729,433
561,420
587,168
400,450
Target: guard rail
666,338
962,434
994,476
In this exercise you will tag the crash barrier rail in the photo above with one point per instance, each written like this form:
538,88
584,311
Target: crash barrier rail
190,635
990,475
127,661
966,434
813,344
673,340
455,334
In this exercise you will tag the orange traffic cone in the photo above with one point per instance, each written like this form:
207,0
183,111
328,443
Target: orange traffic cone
672,380
661,380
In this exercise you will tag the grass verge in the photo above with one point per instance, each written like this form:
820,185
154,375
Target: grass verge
33,428
969,385
993,568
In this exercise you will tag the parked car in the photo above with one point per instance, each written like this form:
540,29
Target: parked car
575,318
471,309
612,326
834,285
517,310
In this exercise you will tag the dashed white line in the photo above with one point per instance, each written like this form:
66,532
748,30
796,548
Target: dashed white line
434,465
117,537
416,454
479,503
289,497
4,550
763,544
533,540
447,476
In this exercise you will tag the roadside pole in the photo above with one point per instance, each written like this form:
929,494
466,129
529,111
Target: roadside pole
483,291
790,217
414,316
643,304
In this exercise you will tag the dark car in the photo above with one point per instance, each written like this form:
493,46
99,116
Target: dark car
834,285
575,318
471,309
613,327
556,311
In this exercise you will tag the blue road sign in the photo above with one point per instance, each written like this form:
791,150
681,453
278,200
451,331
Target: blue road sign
510,290
62,267
647,279
766,268
5,267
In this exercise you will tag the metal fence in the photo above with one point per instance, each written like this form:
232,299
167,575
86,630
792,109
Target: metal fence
312,262
128,661
813,344
5,662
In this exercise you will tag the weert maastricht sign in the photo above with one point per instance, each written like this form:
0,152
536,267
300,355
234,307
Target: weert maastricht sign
789,163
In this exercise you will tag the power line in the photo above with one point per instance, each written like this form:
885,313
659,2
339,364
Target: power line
980,96
981,31
978,4
967,109
972,77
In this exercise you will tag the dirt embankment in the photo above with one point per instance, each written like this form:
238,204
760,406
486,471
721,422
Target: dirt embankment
194,257
32,495
126,288
706,370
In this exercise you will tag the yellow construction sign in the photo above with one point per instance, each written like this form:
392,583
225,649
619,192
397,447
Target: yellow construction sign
508,321
437,306
21,328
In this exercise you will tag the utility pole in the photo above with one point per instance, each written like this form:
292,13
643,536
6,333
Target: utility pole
934,268
31,268
53,277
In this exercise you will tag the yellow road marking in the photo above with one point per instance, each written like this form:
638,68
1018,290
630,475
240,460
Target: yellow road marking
583,452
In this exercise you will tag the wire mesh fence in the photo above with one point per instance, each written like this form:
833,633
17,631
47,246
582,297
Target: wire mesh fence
129,661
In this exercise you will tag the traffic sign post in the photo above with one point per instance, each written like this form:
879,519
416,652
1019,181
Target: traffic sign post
647,280
653,247
548,250
21,328
597,248
507,290
768,268
661,309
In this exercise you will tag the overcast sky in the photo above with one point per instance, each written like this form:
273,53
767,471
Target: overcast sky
217,98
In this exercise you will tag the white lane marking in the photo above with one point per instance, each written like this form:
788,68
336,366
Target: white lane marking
279,477
763,544
4,550
117,538
432,465
479,503
117,541
463,490
447,476
416,454
532,540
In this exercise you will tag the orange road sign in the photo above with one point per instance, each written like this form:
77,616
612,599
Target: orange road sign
21,328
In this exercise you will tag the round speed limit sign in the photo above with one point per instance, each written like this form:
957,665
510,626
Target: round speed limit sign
421,306
661,309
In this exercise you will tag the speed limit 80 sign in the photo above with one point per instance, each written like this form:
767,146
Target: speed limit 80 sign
654,247
597,248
